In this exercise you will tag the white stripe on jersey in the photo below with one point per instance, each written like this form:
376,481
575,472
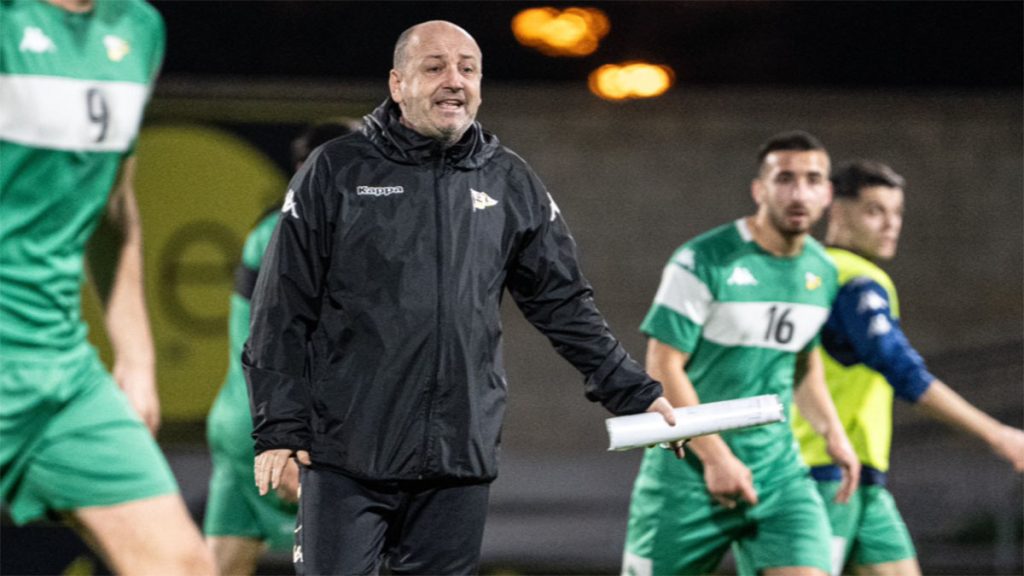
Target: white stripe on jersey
776,325
683,292
70,114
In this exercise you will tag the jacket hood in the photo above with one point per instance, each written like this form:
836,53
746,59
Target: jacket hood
401,144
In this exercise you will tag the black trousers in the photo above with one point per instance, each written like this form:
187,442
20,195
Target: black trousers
348,526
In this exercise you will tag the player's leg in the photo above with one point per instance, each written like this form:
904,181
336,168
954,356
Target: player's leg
440,530
884,546
793,536
234,555
150,536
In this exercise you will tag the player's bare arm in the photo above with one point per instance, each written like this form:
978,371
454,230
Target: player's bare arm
812,398
943,403
727,478
115,266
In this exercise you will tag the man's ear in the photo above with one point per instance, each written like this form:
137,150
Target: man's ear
394,85
756,190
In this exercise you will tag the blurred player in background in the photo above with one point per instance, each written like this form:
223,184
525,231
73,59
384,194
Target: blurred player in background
239,523
868,360
75,76
738,314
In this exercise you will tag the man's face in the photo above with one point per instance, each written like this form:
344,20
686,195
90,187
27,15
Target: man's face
872,221
438,87
793,189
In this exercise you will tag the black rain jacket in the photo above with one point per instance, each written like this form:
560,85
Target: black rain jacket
376,331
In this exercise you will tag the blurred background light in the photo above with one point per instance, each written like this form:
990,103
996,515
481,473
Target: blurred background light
573,32
631,80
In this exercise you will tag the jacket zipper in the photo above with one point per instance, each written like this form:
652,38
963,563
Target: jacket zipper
439,336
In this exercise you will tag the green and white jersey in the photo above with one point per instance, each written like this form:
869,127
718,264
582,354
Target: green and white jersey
72,92
742,315
229,424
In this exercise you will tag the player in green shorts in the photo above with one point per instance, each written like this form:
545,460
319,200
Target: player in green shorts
75,76
868,361
239,523
737,314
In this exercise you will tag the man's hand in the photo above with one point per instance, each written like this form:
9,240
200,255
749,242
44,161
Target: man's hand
842,454
270,465
288,489
1009,445
729,481
663,407
138,381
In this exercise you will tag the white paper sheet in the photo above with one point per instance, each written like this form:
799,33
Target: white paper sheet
639,430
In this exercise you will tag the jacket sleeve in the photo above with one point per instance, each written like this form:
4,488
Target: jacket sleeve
547,285
861,315
285,310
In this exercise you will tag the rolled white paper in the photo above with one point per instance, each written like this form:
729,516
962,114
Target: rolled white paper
639,430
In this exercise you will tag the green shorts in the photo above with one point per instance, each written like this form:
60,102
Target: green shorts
868,529
71,440
235,508
681,530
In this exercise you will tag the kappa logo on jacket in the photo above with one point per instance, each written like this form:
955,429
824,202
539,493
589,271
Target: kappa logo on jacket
555,211
290,204
379,190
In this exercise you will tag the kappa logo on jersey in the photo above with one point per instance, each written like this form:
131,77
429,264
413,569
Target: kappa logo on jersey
290,204
687,258
871,301
379,190
741,277
481,200
117,48
811,281
35,40
555,211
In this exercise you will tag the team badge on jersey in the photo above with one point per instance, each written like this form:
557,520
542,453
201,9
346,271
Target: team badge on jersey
481,200
117,48
35,40
812,281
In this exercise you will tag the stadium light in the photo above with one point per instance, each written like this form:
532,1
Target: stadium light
631,80
571,32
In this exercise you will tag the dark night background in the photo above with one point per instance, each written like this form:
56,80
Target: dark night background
824,44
